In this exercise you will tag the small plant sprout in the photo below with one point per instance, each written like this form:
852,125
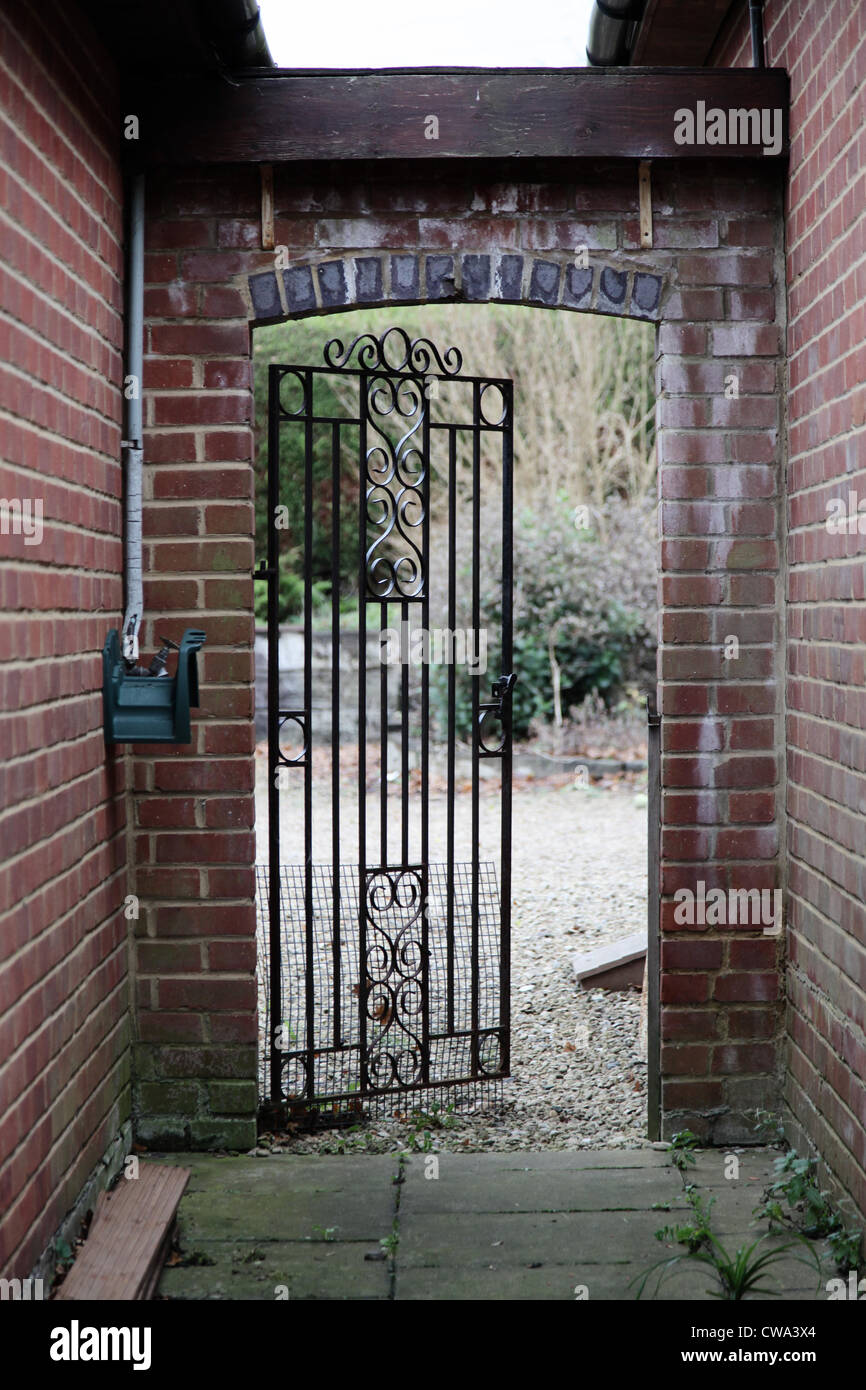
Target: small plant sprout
681,1152
845,1245
693,1234
795,1202
325,1232
390,1242
736,1276
768,1127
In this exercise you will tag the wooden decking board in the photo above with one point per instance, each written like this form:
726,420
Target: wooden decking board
128,1240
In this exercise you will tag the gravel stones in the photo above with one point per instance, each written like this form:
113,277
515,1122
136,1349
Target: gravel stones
578,1080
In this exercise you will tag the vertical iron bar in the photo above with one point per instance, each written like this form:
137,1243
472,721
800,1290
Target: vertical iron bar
506,668
383,742
362,735
275,991
474,679
426,579
405,626
310,979
335,725
452,716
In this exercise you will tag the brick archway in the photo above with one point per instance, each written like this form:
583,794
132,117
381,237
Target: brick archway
713,285
376,278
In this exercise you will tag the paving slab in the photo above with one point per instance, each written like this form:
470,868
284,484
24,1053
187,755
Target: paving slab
523,1226
533,1190
566,1283
553,1160
479,1240
288,1197
326,1270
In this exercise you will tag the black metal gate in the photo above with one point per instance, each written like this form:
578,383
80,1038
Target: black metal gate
388,958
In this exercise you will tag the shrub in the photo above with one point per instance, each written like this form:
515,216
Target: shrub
584,610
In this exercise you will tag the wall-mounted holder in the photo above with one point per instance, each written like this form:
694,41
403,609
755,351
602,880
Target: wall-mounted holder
150,706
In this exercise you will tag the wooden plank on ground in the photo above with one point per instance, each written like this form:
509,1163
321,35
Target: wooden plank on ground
129,1237
615,965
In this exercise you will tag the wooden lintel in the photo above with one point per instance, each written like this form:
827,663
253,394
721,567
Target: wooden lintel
274,115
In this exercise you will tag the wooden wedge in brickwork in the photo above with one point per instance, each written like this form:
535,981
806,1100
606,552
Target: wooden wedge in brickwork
129,1237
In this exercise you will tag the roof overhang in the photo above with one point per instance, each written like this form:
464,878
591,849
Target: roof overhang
645,32
274,115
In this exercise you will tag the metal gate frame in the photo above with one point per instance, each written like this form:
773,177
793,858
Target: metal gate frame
386,367
653,956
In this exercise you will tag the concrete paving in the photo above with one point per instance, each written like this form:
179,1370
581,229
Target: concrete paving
451,1226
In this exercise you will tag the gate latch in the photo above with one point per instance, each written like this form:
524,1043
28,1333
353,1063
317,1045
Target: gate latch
492,710
150,706
503,687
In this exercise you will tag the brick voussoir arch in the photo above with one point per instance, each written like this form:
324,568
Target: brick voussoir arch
612,284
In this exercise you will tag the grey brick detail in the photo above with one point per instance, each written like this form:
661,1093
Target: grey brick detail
508,283
368,280
300,294
332,284
577,290
265,296
646,295
476,277
544,286
405,278
441,283
611,290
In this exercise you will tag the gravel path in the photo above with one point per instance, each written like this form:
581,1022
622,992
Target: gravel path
579,879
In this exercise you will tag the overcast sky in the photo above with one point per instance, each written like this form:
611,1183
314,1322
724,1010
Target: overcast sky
429,33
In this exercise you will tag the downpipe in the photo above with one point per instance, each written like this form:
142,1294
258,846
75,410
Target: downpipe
132,445
756,24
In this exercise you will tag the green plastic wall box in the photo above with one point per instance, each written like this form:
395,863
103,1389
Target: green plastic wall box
144,708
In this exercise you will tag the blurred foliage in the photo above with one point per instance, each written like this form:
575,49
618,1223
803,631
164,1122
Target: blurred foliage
585,579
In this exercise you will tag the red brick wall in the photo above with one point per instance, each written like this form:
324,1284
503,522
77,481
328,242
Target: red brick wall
823,46
719,263
63,974
193,806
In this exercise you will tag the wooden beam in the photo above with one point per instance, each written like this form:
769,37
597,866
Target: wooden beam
276,116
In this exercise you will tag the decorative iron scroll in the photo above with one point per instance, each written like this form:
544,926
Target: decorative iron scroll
298,717
395,478
394,964
490,1053
378,354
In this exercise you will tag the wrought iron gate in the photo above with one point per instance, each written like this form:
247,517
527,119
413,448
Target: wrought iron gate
389,972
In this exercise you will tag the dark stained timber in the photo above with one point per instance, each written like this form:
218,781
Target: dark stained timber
631,113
